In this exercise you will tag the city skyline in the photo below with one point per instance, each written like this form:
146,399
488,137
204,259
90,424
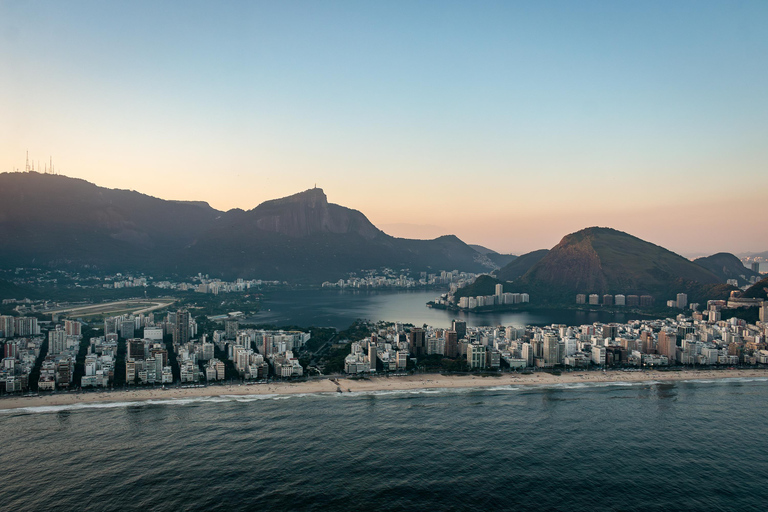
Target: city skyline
509,126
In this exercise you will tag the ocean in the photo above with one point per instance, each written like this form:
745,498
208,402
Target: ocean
686,445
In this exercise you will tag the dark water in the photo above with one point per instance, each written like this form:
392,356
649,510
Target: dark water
336,308
650,446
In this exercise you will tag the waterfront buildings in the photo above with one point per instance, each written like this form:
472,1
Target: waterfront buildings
698,339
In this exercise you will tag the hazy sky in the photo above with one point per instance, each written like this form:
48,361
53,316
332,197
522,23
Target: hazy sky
509,124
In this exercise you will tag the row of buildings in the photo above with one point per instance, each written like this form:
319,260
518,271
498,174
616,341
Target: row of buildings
387,278
19,358
22,339
58,368
252,352
642,301
700,339
499,298
12,326
200,283
594,299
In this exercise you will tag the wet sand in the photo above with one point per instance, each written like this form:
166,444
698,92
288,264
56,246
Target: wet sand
333,385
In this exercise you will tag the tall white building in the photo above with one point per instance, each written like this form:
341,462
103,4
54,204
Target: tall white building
551,349
598,355
57,342
476,355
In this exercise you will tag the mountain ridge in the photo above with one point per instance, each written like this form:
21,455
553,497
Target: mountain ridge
516,268
608,261
727,266
58,221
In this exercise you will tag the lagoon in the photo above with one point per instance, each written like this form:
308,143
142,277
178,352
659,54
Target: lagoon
340,308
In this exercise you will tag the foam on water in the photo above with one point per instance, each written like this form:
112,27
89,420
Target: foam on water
422,449
726,380
394,393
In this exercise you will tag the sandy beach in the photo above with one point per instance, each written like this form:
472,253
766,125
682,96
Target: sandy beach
333,385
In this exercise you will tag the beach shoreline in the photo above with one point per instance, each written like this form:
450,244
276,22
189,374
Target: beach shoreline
379,383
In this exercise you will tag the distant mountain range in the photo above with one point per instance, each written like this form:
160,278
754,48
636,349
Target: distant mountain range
56,221
498,259
61,222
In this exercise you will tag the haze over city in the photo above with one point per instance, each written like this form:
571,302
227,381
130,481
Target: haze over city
507,124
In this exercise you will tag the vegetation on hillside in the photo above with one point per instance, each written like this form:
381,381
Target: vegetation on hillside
727,266
520,265
607,261
759,290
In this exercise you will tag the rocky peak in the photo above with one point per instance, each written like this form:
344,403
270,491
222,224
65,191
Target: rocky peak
308,213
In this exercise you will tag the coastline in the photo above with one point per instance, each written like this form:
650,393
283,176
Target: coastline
400,383
529,307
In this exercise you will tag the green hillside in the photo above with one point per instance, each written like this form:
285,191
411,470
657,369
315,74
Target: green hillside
520,265
726,266
759,290
604,260
483,285
9,290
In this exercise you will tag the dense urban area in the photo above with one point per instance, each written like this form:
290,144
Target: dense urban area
155,348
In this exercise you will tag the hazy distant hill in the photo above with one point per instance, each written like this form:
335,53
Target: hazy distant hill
498,259
603,260
727,266
520,266
48,220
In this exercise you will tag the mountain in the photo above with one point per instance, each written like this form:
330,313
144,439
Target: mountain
726,266
53,220
481,249
304,236
520,265
56,221
499,260
759,290
604,260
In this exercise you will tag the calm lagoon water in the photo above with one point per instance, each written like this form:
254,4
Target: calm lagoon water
337,308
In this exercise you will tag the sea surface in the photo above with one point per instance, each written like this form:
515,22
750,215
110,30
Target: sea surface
687,446
339,308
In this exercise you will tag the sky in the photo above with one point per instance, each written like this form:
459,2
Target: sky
509,124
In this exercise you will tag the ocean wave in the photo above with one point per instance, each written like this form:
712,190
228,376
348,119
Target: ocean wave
115,405
384,393
726,380
70,407
391,392
503,388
